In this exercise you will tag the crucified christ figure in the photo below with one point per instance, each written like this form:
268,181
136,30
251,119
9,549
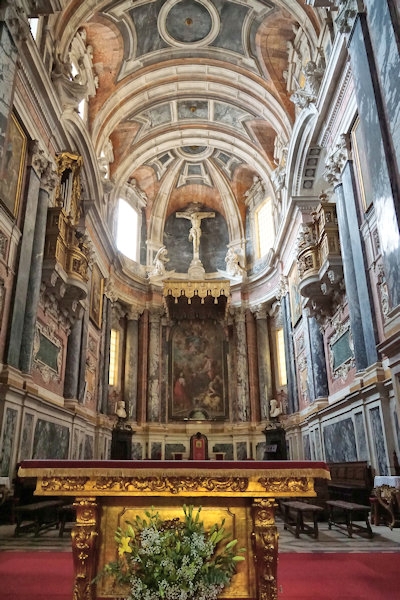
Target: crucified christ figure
195,230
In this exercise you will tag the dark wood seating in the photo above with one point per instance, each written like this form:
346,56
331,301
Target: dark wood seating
36,516
351,481
66,514
294,512
342,515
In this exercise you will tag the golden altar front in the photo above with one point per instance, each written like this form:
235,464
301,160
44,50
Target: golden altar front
107,493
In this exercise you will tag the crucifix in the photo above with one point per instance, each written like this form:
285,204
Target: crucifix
195,230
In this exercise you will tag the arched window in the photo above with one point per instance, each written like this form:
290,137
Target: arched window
264,228
127,230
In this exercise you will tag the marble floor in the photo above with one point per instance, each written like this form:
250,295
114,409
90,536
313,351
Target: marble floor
384,540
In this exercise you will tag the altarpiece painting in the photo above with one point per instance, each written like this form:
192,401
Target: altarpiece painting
198,383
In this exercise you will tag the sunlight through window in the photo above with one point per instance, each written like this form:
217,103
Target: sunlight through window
127,230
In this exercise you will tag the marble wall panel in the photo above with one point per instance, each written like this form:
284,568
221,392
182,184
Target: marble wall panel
88,447
375,157
171,448
379,441
51,440
388,64
261,449
137,451
213,243
227,449
9,430
155,452
306,447
27,437
241,451
361,436
340,441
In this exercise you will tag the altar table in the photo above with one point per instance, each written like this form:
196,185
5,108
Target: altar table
244,493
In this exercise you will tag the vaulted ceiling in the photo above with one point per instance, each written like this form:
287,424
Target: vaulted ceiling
192,97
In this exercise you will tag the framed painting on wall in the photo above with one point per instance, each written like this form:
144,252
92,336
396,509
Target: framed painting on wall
12,173
198,383
96,296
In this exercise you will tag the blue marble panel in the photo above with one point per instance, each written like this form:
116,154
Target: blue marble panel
51,440
361,437
137,451
228,114
148,38
88,447
9,429
213,243
261,449
171,448
226,448
381,191
27,437
233,17
397,427
379,441
318,449
241,451
340,441
388,63
307,447
155,451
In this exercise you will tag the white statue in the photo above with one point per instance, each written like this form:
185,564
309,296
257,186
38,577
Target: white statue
275,409
232,263
160,261
195,230
120,410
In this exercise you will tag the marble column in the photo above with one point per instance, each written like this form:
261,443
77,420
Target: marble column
153,389
242,374
105,366
316,364
293,399
74,348
47,185
252,365
38,164
264,360
382,177
131,363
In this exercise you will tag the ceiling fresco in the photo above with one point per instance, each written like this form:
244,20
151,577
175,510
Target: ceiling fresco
192,97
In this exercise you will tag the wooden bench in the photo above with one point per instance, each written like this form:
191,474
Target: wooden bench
294,512
66,514
341,514
350,481
37,516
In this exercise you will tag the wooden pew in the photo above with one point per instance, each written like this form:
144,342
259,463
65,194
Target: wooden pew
294,513
350,481
340,509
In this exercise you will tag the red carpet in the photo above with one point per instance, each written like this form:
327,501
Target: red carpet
351,576
36,575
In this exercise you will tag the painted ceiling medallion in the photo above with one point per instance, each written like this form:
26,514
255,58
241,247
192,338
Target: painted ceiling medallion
193,22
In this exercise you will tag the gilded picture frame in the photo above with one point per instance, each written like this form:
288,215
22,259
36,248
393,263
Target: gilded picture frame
11,177
96,297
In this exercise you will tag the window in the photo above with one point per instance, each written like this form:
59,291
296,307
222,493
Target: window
114,356
280,354
264,228
34,26
127,230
